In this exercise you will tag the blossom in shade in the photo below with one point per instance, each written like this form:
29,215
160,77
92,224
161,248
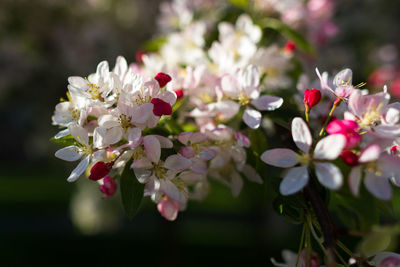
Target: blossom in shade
347,128
109,187
386,259
168,208
377,167
162,79
328,148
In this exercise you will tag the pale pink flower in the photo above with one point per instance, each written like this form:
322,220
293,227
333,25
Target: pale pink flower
109,187
328,148
378,167
168,208
342,83
386,259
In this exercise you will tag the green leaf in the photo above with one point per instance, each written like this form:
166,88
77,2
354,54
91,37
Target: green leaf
289,33
64,141
239,3
131,191
154,44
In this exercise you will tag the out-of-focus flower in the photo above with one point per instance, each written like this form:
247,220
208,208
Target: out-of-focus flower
348,128
109,187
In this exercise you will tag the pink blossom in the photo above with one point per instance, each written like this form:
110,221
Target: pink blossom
347,128
109,187
168,208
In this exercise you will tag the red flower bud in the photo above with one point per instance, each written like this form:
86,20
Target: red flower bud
290,47
311,97
162,79
99,170
161,107
179,93
349,158
109,187
394,150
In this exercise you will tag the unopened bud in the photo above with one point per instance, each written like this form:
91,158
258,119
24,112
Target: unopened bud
161,107
99,170
311,97
162,79
349,158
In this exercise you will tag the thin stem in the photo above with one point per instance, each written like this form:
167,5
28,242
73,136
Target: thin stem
345,249
324,220
335,104
301,243
319,240
341,259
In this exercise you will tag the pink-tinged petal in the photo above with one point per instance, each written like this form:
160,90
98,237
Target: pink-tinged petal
79,133
152,148
355,103
226,109
387,130
230,86
108,121
242,139
252,118
378,186
329,175
69,153
143,163
207,154
168,96
102,68
134,135
355,180
170,189
280,157
113,136
168,208
370,153
266,102
329,147
184,137
98,137
386,259
389,165
151,88
161,107
79,170
343,77
164,141
250,79
301,134
251,174
142,113
197,137
177,163
295,179
323,81
392,116
187,152
199,166
109,187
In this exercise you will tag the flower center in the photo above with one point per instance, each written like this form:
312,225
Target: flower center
373,168
371,117
125,121
243,99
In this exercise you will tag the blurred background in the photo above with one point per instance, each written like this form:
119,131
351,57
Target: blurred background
47,221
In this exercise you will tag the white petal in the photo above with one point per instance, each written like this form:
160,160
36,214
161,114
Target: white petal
177,163
134,135
108,121
79,133
152,148
379,186
343,77
329,147
280,157
355,180
170,189
143,175
164,141
294,180
143,163
121,66
62,134
167,96
252,118
77,82
69,153
267,102
230,86
329,175
113,135
392,116
370,153
301,134
81,168
142,113
251,174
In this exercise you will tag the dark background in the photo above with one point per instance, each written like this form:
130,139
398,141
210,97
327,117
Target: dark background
42,43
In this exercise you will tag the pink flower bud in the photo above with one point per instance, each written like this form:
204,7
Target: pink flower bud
162,79
349,158
99,170
139,56
109,187
394,150
179,93
161,107
348,128
168,208
311,97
